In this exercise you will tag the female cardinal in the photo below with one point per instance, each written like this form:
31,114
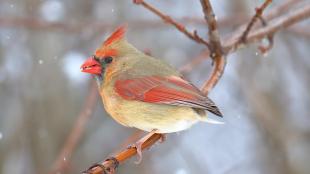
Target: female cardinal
143,92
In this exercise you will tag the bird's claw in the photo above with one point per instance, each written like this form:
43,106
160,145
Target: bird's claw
138,147
138,144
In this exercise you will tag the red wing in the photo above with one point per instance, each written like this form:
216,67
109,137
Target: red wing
171,90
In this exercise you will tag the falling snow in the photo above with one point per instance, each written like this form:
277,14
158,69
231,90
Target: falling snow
40,61
1,135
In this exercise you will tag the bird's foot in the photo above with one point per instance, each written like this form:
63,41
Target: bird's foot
138,146
139,143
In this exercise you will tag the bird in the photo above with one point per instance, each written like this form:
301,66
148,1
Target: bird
144,92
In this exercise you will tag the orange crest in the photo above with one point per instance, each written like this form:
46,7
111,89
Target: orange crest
117,35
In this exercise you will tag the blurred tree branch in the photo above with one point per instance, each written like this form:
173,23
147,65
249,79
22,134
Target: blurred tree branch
300,30
39,24
64,156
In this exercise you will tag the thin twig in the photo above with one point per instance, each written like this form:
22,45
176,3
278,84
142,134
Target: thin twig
64,156
275,12
287,20
216,51
265,48
277,24
258,15
192,35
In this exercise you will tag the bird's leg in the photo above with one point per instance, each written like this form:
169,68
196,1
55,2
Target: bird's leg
138,145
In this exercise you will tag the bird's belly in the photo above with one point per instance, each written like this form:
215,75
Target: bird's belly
148,116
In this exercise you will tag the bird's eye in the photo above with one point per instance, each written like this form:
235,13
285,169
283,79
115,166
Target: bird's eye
108,60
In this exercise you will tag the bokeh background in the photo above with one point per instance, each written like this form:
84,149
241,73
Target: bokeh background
265,98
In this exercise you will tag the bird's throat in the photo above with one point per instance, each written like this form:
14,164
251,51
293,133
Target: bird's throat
99,79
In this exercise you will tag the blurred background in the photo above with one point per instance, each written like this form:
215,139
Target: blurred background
264,98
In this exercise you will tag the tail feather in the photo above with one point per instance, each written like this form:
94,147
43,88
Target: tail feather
210,106
210,120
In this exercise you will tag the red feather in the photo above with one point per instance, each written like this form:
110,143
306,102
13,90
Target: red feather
171,90
105,50
118,34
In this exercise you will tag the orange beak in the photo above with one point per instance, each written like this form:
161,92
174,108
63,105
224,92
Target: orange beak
91,66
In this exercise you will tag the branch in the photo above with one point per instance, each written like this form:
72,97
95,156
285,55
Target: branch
275,12
229,21
282,8
63,158
277,24
216,47
72,28
289,20
192,35
258,15
300,31
109,165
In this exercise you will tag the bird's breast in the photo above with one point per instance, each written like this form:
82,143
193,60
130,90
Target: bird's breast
113,103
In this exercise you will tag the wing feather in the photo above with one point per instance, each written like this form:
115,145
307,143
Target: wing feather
171,90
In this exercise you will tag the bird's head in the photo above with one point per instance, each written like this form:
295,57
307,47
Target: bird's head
113,49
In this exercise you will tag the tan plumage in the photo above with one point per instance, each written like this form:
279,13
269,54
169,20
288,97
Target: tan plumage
150,95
